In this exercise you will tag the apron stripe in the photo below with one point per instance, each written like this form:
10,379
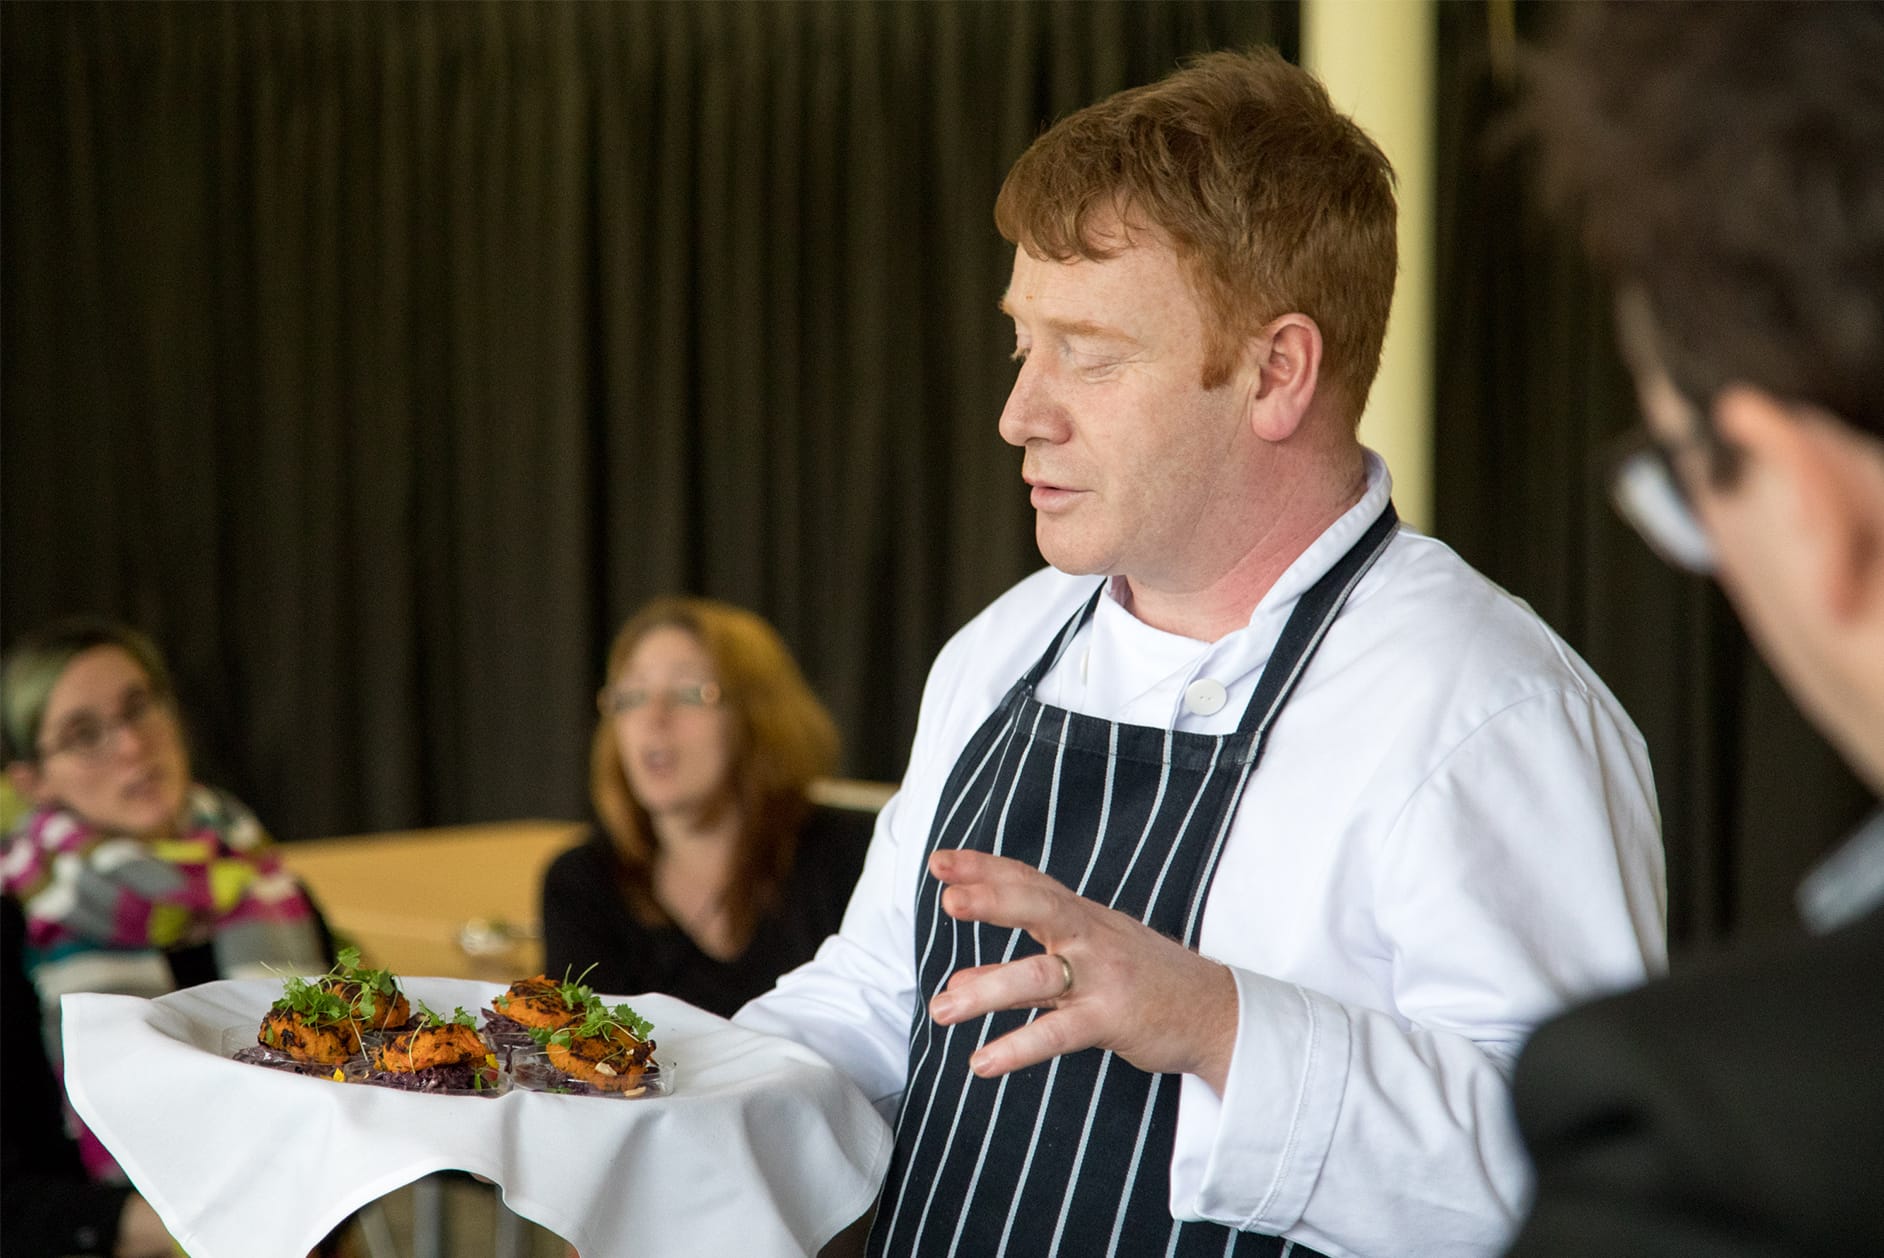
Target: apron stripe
1171,852
923,1023
1085,1142
1105,815
1138,1153
1200,887
1027,1159
1151,818
1014,938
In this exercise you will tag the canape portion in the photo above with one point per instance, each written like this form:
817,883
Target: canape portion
436,1054
423,1047
319,1020
543,1003
609,1048
310,1023
374,994
319,1035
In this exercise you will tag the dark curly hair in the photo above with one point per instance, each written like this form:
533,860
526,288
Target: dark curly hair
1726,162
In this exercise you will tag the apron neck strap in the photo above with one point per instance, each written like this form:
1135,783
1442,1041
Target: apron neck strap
1300,638
1309,623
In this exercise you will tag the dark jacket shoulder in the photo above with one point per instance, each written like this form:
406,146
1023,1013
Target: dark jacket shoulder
1735,1108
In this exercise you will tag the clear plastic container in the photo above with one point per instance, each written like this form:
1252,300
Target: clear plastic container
487,1079
530,1069
241,1044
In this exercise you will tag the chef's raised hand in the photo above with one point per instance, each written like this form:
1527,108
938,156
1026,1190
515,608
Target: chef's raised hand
1142,995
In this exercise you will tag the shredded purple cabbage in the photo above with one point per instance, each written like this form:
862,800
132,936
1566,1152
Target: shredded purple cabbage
499,1028
461,1076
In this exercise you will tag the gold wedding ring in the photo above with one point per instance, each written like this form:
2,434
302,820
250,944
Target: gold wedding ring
1066,968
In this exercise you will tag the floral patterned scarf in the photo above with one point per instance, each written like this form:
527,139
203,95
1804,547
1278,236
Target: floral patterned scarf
221,883
102,910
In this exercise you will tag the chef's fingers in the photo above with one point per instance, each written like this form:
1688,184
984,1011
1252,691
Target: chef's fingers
1031,982
1053,1034
1156,1003
1003,892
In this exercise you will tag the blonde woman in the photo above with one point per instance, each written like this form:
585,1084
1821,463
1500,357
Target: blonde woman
710,872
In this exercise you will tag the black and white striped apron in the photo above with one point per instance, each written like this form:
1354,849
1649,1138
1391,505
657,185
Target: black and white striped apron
1073,1156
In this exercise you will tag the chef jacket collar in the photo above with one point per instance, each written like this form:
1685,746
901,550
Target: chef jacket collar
1115,636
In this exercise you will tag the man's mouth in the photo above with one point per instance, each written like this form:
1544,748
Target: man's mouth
1048,496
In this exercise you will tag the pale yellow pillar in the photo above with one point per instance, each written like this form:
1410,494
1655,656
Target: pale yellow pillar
1376,56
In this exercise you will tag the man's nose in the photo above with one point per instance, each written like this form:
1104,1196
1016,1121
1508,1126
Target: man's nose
1031,413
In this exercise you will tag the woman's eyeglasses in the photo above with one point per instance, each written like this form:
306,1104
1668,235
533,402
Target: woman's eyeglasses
89,736
616,702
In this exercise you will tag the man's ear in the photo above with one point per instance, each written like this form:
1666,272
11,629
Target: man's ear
1287,366
1832,479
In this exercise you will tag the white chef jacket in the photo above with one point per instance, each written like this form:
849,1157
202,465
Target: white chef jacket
1453,833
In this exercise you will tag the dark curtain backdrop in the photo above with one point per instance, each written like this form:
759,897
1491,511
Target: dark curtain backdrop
379,359
1530,390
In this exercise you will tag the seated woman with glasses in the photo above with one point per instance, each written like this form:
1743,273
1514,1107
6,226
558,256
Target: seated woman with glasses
123,876
710,872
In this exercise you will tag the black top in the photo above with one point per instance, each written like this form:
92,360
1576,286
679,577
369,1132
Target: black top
51,1208
586,920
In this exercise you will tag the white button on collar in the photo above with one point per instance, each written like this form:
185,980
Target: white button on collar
1205,697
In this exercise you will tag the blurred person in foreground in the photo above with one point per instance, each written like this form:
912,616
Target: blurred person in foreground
53,1208
1727,165
710,871
124,876
1239,850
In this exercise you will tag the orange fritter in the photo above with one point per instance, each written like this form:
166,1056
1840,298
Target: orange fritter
386,1014
424,1047
615,1045
327,1043
535,1002
616,1076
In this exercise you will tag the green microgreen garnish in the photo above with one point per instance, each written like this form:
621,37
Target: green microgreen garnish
313,1002
573,993
373,984
597,1019
430,1018
322,999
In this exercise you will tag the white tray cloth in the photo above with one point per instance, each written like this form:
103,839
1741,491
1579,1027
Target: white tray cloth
763,1148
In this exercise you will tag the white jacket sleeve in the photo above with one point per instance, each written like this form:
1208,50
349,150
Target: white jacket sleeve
1522,873
853,1001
